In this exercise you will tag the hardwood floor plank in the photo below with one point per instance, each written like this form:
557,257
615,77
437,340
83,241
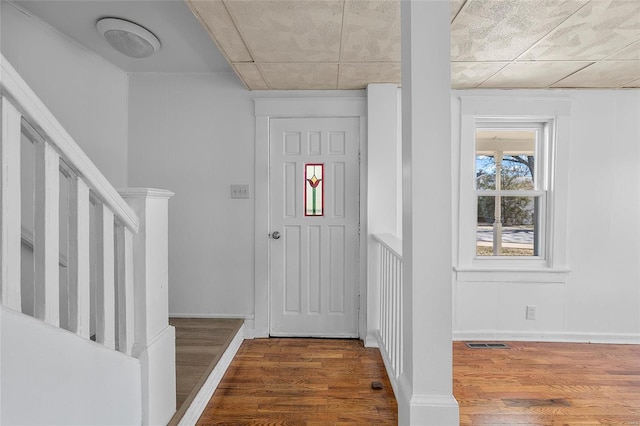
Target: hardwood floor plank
199,344
548,384
303,381
321,382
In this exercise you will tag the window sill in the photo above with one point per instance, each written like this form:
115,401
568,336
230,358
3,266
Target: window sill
515,275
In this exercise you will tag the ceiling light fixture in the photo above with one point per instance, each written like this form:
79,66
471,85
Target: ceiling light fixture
128,38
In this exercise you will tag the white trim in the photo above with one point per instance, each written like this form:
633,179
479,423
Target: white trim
310,107
547,336
427,409
555,112
391,374
145,193
516,107
291,107
446,401
213,316
249,321
201,400
520,275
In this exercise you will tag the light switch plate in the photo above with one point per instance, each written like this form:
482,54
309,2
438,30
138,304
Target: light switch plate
239,191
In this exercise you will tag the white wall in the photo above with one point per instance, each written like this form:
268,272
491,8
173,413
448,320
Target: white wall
194,135
53,377
85,93
600,300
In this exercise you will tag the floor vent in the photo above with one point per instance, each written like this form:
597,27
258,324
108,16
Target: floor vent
487,345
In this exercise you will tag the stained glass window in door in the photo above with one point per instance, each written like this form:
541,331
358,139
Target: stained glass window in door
314,190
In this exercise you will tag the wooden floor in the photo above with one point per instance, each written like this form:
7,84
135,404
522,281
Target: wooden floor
303,382
200,342
322,382
548,384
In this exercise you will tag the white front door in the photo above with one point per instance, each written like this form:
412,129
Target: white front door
314,215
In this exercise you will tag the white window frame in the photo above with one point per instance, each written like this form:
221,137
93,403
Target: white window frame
553,114
542,174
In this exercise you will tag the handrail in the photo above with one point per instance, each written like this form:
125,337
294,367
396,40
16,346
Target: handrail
393,243
115,281
42,120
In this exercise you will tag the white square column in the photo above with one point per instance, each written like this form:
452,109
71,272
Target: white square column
154,343
426,384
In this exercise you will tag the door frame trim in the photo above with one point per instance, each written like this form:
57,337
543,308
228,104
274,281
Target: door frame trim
303,107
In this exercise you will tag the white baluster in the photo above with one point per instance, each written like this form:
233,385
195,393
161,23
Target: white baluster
10,219
126,307
105,325
47,233
79,260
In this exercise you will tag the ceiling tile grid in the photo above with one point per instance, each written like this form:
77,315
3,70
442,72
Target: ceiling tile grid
356,75
371,31
287,31
603,74
532,74
310,44
488,30
215,18
251,75
594,32
572,44
292,76
347,44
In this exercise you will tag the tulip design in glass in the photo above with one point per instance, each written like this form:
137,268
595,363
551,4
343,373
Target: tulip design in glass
314,190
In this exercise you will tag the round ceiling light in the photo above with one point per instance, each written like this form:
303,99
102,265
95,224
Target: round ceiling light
128,38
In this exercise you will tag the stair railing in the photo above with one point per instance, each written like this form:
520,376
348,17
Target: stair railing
55,152
389,328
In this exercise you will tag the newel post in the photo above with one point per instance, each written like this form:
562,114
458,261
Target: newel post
154,343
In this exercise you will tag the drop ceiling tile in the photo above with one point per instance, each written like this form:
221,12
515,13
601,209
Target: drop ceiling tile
533,74
289,30
603,74
355,75
629,52
300,76
633,84
594,32
467,75
249,73
456,5
489,30
214,17
371,31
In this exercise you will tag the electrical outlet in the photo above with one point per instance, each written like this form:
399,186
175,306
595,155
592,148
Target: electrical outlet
531,312
240,191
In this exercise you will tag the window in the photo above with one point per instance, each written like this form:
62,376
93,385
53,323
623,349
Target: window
513,189
510,189
314,190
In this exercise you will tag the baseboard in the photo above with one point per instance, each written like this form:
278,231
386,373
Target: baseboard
199,403
393,379
371,340
427,410
222,316
547,336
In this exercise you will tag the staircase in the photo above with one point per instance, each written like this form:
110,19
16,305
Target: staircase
84,336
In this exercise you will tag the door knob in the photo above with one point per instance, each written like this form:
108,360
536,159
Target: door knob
275,235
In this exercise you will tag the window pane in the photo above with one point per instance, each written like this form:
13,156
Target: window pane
314,190
509,153
485,172
515,232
